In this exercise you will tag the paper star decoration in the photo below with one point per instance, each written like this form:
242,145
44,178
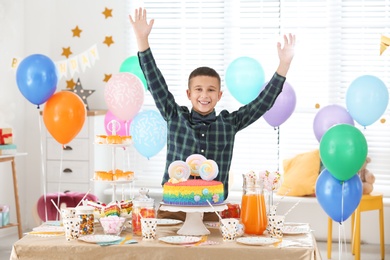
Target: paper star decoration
107,77
107,12
70,84
108,40
76,31
66,52
385,42
82,93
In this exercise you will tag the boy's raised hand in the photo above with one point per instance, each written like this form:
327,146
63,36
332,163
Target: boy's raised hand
141,28
286,53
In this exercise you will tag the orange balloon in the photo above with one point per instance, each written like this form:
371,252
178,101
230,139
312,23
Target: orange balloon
64,116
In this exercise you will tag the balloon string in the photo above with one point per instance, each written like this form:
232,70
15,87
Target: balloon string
60,179
278,148
42,165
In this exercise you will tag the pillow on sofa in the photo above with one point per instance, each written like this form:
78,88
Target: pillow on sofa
300,174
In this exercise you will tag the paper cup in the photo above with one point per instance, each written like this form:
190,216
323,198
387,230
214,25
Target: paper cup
229,229
68,213
275,225
72,228
148,228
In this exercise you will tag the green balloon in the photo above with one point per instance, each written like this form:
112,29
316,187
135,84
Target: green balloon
131,65
343,151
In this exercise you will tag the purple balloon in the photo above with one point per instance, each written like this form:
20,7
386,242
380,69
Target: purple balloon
329,116
283,107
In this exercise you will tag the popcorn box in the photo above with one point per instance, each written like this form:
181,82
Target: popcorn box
5,135
7,149
5,214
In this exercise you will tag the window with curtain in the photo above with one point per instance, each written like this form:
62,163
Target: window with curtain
338,40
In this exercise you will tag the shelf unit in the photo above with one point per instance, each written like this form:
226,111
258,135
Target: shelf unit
76,168
11,159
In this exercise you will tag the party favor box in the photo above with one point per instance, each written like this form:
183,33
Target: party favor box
4,209
7,149
5,136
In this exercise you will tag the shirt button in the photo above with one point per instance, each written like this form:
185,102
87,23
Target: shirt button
202,151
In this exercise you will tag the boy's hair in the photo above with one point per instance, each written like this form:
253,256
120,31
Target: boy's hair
204,71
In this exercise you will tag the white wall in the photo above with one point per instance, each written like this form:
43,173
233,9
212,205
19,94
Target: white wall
44,26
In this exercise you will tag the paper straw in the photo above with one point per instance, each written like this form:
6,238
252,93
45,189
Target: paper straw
86,194
214,209
55,205
288,211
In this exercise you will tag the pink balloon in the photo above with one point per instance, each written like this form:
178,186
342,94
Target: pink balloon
329,116
283,107
111,122
124,95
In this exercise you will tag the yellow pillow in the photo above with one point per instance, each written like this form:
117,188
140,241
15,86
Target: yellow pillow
300,174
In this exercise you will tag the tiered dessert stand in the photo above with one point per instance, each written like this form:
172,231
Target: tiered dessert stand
193,224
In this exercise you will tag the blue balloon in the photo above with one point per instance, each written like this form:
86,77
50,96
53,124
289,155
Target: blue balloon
36,78
338,199
244,79
367,98
149,132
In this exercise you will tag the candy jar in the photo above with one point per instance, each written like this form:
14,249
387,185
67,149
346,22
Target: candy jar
85,213
143,206
253,209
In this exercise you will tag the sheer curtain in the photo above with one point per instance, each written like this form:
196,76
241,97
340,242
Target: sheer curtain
337,42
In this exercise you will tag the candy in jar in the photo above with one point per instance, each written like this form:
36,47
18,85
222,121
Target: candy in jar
85,213
143,206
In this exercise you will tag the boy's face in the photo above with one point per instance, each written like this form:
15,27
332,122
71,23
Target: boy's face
204,93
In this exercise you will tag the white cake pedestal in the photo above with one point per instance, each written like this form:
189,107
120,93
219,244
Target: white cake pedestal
193,224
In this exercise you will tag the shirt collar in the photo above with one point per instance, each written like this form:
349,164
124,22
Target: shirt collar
198,118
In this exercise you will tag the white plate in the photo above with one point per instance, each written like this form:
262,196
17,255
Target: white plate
296,229
257,241
168,222
180,240
99,238
46,228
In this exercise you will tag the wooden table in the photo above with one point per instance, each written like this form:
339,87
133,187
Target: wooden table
11,158
35,247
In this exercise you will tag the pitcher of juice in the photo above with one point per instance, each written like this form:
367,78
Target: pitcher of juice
253,209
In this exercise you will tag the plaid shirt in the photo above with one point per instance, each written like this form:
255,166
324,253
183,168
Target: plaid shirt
211,135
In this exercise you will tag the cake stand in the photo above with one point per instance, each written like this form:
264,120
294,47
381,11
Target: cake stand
193,224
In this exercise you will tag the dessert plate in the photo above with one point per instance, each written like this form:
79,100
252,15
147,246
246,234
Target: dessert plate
296,229
180,240
48,229
257,241
168,222
99,238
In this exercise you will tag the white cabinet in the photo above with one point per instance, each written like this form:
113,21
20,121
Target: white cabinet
72,168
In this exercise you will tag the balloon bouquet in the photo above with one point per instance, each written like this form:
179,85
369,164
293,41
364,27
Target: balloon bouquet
343,148
245,80
64,112
124,96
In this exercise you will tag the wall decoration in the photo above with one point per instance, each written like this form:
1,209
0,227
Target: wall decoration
66,52
385,42
70,84
107,12
82,93
76,31
108,41
107,77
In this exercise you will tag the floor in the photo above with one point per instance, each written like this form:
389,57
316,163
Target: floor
368,251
